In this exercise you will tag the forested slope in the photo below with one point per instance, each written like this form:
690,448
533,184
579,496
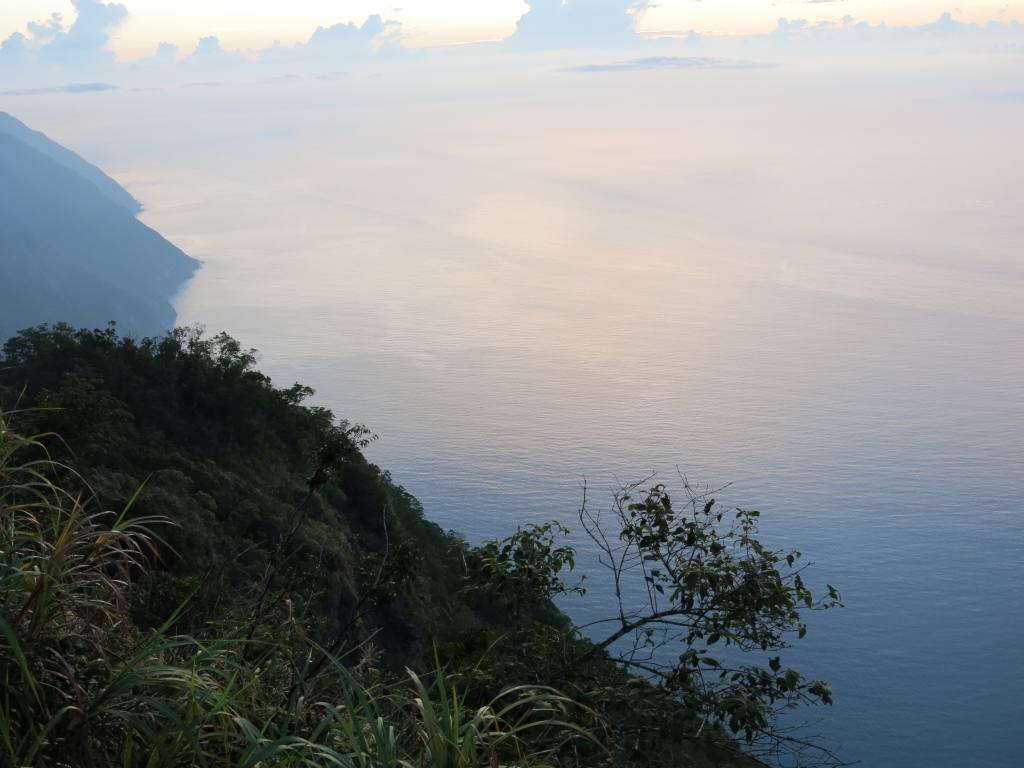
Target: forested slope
229,457
260,589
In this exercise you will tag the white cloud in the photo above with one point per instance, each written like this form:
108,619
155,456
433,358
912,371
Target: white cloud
88,37
83,44
51,52
751,17
579,23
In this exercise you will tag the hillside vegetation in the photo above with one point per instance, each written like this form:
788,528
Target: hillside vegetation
261,594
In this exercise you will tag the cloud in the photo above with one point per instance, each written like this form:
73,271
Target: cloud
88,37
14,49
50,49
83,44
1003,95
46,30
72,88
208,46
787,28
166,52
669,62
796,37
207,58
560,24
348,35
376,35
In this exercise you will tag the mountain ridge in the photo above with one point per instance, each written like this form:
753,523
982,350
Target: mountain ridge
43,143
71,253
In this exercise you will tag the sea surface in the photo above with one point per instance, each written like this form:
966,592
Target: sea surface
804,280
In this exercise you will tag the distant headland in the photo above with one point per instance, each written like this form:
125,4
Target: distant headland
71,248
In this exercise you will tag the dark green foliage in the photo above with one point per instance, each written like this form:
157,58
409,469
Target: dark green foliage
84,415
707,580
272,499
686,579
84,687
521,573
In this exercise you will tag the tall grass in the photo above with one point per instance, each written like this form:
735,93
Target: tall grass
82,686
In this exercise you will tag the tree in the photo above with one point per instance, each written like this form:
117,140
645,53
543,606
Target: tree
522,571
686,578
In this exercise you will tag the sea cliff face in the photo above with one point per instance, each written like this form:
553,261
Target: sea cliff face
70,252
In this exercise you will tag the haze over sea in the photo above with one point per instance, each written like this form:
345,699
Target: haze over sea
791,263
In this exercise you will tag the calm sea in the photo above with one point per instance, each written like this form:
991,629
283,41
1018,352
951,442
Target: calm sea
805,280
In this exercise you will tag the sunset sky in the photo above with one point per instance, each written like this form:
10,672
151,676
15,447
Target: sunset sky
253,24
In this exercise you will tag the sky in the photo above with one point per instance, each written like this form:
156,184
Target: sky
140,25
